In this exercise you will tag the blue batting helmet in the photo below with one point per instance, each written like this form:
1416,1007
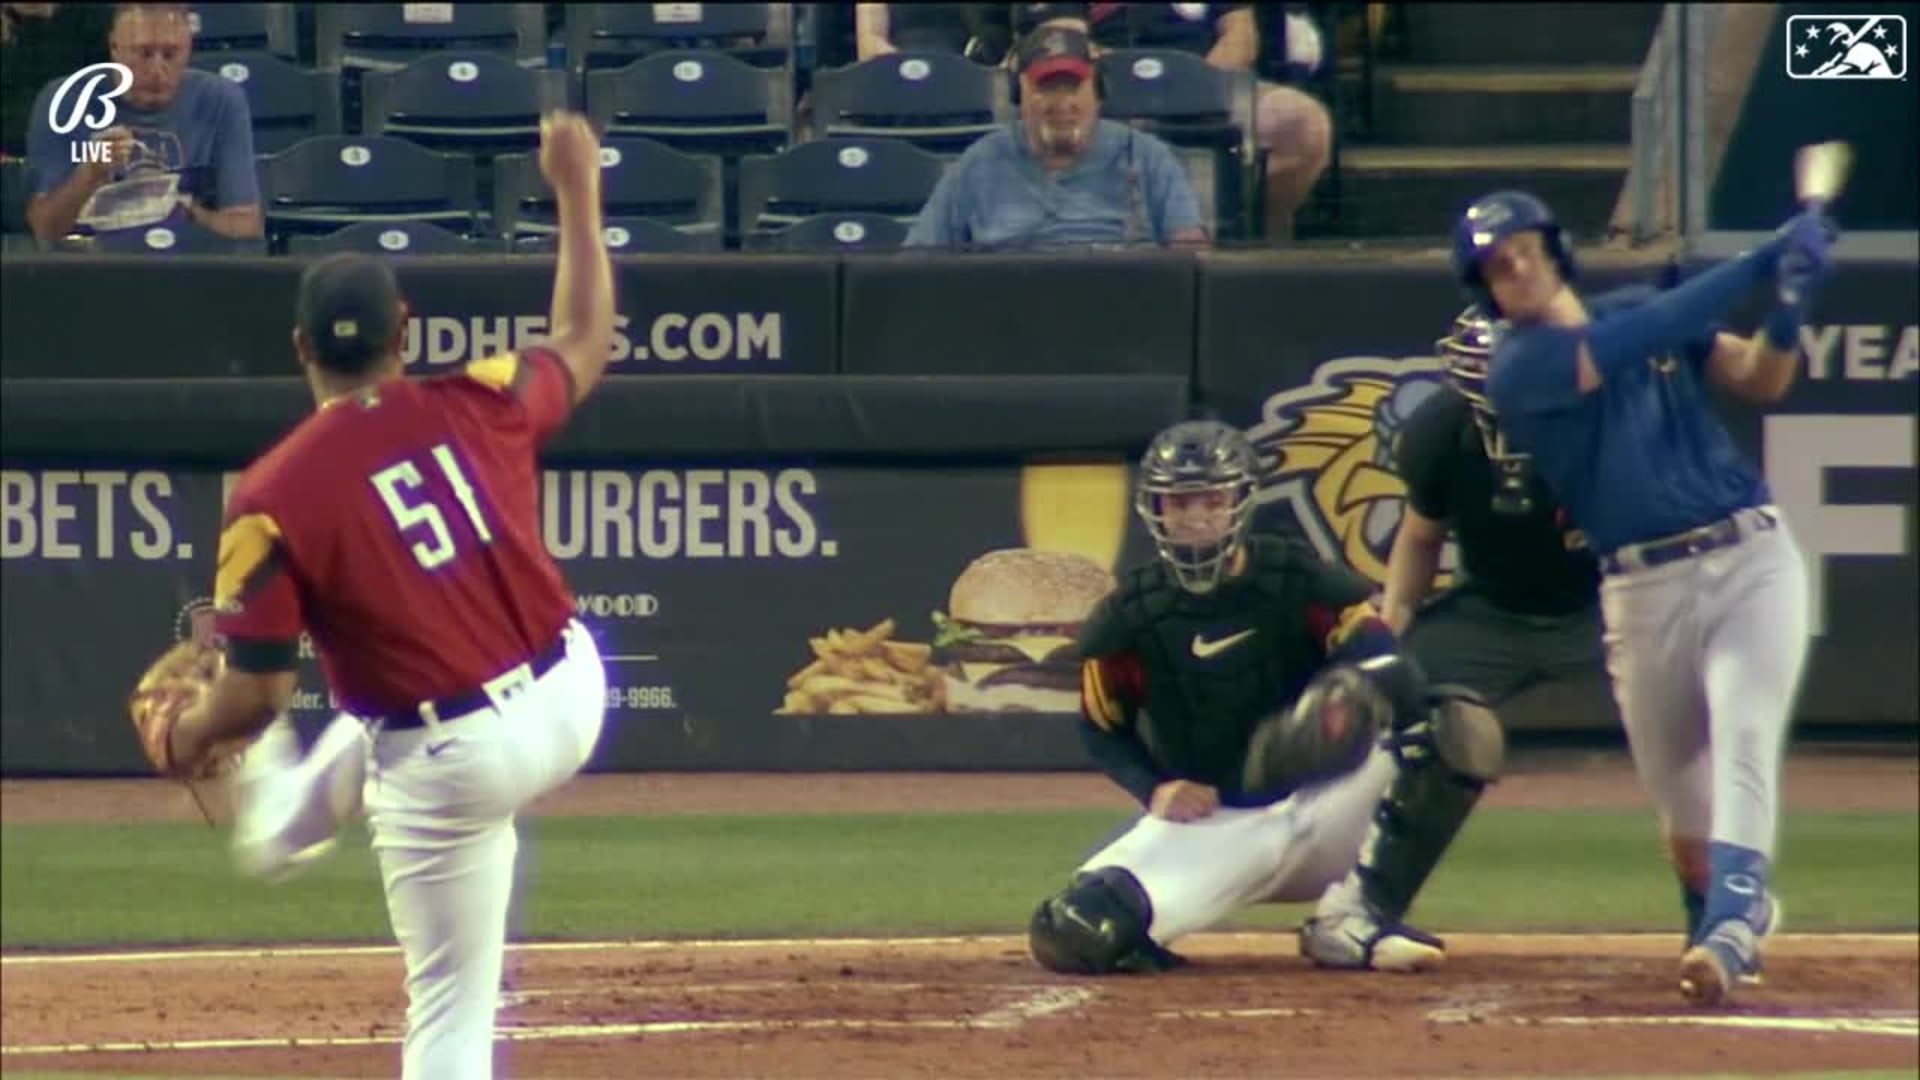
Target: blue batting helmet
1493,218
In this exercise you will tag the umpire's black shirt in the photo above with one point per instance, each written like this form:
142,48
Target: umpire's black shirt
1533,563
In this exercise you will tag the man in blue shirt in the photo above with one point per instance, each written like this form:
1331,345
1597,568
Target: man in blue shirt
171,120
1704,593
1061,177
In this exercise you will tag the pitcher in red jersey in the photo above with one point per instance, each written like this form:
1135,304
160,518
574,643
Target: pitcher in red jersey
397,526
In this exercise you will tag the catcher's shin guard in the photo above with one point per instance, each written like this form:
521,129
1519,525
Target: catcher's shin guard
1097,926
1447,755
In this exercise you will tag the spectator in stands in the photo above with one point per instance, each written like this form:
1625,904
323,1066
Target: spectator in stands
39,42
1061,176
1291,125
982,33
173,120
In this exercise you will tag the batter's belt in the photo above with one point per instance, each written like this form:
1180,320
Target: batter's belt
480,697
1728,531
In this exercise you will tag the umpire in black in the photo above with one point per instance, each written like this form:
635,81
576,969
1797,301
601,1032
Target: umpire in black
1527,608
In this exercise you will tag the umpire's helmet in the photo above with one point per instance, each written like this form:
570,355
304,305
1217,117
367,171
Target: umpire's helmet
1466,350
1493,218
1196,495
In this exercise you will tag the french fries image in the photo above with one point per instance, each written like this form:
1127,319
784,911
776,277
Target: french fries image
856,672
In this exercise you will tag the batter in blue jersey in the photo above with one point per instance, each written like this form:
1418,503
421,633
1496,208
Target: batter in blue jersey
1705,592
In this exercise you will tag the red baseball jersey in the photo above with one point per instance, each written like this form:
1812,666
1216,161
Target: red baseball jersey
399,526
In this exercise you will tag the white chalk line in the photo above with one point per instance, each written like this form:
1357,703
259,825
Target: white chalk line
1051,1002
1906,1027
1259,940
1047,1001
1042,1002
510,998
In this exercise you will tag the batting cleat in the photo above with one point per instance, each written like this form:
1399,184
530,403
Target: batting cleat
1728,956
1357,941
1775,918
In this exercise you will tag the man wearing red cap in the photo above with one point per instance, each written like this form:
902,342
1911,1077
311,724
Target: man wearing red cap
1061,177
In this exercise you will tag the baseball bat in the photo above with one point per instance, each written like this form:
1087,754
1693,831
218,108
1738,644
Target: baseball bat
1819,173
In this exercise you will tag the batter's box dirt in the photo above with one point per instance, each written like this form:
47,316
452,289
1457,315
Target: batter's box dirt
1247,1006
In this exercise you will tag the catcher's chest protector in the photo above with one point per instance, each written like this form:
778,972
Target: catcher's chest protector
1215,665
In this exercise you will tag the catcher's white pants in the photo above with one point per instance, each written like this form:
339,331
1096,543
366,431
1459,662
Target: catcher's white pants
1199,873
440,803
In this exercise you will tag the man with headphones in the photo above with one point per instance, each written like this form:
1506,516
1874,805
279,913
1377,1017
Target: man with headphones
1060,176
1281,43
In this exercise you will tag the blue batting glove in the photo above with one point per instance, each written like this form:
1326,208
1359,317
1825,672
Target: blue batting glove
1802,269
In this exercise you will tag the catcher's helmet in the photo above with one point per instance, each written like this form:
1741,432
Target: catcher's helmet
1195,494
1493,218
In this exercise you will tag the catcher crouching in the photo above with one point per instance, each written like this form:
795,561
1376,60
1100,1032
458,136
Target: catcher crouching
1351,793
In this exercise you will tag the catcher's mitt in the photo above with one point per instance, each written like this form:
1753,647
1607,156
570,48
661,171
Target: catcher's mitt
1328,733
179,679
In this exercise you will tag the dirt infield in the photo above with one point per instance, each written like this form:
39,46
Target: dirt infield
1247,1006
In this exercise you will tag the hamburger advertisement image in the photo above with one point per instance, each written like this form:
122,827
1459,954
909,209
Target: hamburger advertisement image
1006,641
1004,593
1005,644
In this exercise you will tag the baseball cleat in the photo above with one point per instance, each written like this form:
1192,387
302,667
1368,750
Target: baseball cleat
273,861
1728,956
1357,941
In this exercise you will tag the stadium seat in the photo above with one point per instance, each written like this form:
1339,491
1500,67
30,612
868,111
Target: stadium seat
329,181
697,101
457,100
268,28
831,233
182,238
390,238
880,176
287,102
639,178
1192,106
937,102
386,37
633,236
613,35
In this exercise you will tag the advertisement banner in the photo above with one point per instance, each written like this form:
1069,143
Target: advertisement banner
233,316
750,618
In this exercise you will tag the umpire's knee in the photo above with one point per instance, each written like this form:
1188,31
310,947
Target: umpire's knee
1097,925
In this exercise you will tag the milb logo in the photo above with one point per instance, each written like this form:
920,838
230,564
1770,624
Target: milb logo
1846,47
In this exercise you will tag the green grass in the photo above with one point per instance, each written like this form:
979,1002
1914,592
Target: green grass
864,875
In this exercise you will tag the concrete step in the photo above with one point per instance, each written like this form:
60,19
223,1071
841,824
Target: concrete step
1468,106
1419,191
1530,33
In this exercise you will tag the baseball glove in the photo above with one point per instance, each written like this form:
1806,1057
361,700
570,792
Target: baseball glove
1328,733
175,682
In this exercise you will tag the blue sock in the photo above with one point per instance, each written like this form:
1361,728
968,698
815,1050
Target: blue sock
1737,887
1696,906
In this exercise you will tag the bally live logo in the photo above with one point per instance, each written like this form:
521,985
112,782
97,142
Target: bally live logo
1846,47
85,98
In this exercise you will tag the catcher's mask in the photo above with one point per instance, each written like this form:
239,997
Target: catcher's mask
1466,350
1195,495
